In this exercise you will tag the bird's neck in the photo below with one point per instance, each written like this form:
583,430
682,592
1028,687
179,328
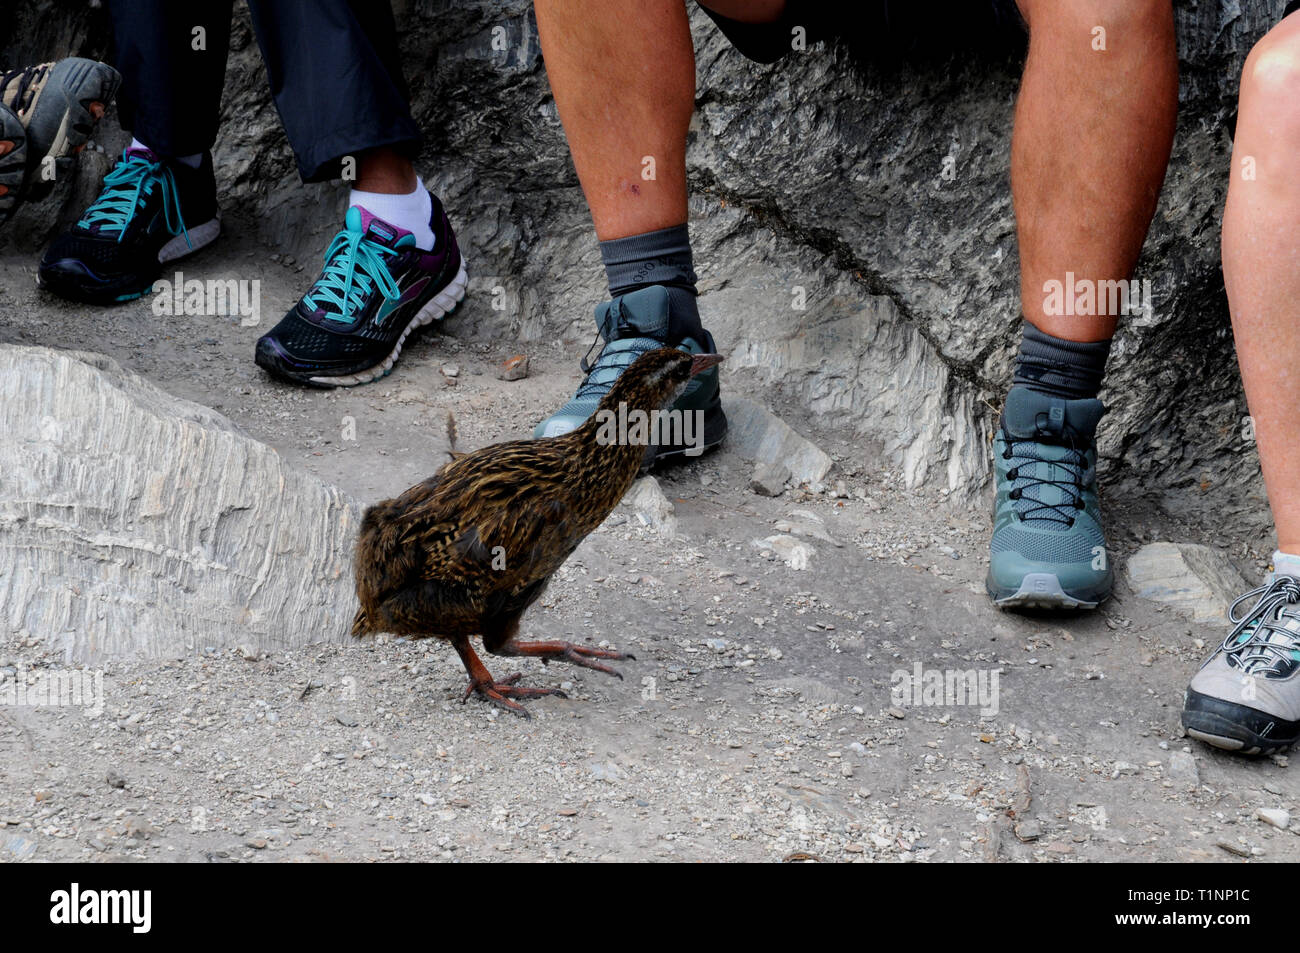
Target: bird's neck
605,433
605,438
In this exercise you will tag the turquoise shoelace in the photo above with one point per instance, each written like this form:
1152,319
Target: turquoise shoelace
353,265
125,191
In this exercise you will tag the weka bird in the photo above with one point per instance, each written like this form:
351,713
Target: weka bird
469,549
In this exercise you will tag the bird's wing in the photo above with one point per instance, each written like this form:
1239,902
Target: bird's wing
527,541
516,517
500,521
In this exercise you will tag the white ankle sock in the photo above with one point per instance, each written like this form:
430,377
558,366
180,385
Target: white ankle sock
193,161
411,212
1286,564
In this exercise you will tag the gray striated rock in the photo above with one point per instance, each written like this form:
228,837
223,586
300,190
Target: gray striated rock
1183,770
759,435
1191,578
838,266
135,523
769,479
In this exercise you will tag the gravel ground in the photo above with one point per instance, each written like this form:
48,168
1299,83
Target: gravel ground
757,722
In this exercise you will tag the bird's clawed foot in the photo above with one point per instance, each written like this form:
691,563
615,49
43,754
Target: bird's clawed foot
568,652
501,692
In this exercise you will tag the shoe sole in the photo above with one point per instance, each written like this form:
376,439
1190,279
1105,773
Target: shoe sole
193,240
1221,724
200,237
1040,590
74,98
715,431
435,309
1225,742
13,164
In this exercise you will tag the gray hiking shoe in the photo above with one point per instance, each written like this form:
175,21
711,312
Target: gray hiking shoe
631,325
57,105
1246,696
1047,550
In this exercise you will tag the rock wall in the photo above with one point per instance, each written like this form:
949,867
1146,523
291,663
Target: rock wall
822,174
133,523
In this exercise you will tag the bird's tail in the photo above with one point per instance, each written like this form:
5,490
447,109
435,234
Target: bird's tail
451,435
361,623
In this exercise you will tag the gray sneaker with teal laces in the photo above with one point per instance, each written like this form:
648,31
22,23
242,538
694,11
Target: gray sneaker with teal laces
631,325
1246,696
1048,550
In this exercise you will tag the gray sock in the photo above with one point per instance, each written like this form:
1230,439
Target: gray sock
661,257
1059,368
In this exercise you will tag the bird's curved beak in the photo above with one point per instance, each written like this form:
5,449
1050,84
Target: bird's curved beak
702,362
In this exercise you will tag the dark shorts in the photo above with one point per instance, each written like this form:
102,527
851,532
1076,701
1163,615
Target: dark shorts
895,25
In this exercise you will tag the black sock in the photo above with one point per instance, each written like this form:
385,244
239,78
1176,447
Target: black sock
661,257
1059,368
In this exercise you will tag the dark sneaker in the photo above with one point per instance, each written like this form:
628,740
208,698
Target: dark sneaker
1048,550
149,212
1246,696
13,160
377,287
632,324
58,105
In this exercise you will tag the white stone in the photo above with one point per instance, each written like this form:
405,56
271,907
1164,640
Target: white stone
651,508
795,554
1275,816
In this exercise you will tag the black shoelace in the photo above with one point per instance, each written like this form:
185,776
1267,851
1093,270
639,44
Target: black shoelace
1259,651
1074,462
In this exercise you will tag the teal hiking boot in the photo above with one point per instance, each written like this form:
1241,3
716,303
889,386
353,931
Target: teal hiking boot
1048,550
632,324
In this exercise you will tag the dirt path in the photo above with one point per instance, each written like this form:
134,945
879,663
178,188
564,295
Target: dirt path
757,722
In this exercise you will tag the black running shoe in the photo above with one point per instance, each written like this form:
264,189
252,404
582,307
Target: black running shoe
149,212
377,287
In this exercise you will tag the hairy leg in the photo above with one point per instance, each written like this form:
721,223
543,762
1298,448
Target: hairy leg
1093,133
623,75
1261,263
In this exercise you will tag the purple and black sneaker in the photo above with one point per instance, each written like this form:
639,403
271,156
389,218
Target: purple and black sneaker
377,287
150,211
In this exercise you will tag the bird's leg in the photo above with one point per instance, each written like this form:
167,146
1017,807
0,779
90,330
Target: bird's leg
498,693
566,652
